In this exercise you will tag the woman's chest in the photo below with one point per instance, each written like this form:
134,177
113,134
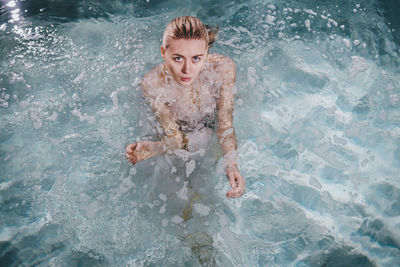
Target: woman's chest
195,102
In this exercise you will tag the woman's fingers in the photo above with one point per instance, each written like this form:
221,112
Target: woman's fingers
130,153
134,146
139,151
131,148
131,158
241,181
234,193
232,180
237,183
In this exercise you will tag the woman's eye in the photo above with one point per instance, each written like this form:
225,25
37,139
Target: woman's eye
196,59
178,59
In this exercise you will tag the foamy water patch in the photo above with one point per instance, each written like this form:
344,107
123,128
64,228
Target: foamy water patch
292,109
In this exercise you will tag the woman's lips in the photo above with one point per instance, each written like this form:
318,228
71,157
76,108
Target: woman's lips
185,79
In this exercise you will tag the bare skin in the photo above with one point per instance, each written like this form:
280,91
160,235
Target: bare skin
184,60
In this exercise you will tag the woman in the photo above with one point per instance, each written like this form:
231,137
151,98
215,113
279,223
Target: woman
188,92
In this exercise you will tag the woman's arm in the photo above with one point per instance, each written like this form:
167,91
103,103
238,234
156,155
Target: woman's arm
226,132
173,139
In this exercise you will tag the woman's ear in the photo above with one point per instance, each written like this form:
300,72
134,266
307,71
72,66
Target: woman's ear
163,50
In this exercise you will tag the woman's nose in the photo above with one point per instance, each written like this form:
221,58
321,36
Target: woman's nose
186,67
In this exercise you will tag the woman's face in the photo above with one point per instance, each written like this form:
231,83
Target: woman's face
185,58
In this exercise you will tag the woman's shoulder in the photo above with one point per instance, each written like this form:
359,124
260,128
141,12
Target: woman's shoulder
224,67
153,76
152,79
218,61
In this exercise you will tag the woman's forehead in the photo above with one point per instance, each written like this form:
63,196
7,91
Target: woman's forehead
187,47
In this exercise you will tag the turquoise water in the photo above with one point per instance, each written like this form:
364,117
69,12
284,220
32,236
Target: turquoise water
317,118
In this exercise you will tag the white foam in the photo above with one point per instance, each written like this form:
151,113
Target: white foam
201,209
84,117
79,77
3,100
162,197
347,42
190,166
6,185
310,11
132,171
270,19
359,64
163,208
176,219
308,24
182,193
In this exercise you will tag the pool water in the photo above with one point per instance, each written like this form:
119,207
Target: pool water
317,118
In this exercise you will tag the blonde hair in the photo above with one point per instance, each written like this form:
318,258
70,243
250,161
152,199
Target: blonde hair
187,27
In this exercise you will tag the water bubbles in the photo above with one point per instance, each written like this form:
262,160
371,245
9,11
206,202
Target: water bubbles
163,208
310,11
163,197
346,42
11,4
190,166
201,209
183,192
177,219
79,78
359,65
394,99
173,170
83,117
4,97
239,102
314,182
364,163
308,24
133,171
270,19
252,75
53,117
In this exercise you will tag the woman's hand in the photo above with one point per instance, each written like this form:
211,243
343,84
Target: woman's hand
237,182
142,150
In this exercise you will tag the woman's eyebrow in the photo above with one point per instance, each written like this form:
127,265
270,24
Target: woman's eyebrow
178,55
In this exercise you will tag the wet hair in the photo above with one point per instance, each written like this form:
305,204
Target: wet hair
187,27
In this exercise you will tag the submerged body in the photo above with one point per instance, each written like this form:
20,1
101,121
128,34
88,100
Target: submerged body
194,111
190,93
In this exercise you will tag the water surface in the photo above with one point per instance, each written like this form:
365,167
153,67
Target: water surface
317,120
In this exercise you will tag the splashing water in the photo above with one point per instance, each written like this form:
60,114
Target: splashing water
317,120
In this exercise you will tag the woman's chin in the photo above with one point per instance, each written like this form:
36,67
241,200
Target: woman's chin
184,83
